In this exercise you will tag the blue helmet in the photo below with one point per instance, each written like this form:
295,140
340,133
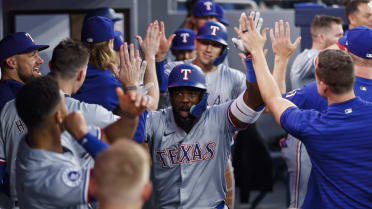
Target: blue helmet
187,75
184,39
214,31
118,40
103,12
204,8
220,15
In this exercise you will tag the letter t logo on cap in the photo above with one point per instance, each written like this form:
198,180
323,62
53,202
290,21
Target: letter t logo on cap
29,36
184,37
208,5
186,73
214,29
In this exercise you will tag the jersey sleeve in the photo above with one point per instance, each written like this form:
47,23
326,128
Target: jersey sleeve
220,116
63,186
96,115
153,121
139,135
294,121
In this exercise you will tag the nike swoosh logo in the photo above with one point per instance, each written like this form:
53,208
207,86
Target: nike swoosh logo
167,134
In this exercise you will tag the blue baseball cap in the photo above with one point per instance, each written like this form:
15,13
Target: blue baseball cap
220,15
18,43
118,40
358,42
204,8
97,29
103,12
184,39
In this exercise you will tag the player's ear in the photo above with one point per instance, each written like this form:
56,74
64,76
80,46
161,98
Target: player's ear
11,62
59,116
147,191
80,75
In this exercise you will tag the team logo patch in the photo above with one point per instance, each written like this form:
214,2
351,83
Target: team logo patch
348,111
72,177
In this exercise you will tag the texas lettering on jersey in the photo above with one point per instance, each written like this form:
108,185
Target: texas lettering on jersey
186,153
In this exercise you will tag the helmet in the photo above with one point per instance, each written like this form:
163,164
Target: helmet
187,75
219,11
184,39
118,40
193,76
214,31
204,8
103,12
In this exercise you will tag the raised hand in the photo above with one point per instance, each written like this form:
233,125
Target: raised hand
150,44
165,44
74,123
250,36
128,72
133,103
258,24
281,40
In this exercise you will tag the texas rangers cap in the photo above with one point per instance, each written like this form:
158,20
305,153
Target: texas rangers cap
103,12
220,15
97,29
118,40
358,42
184,39
204,8
18,43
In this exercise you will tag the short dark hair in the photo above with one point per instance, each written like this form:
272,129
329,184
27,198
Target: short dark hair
351,6
336,69
68,58
321,22
37,99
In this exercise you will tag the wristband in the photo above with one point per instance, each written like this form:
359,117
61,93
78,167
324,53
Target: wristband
130,88
92,144
251,76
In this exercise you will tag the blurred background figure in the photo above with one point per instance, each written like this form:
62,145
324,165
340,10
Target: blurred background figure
183,44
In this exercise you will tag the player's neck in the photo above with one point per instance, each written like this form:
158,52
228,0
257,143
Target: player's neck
186,126
105,205
317,46
45,138
67,87
6,75
363,71
334,98
205,68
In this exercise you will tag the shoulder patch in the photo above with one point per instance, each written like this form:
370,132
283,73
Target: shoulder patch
291,93
72,177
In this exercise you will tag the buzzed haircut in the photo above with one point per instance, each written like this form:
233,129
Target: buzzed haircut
336,69
37,99
323,22
121,172
351,6
68,58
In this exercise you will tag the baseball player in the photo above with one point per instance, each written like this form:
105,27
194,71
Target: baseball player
220,15
340,165
68,67
104,12
20,63
202,12
308,98
53,167
122,176
183,44
325,31
189,140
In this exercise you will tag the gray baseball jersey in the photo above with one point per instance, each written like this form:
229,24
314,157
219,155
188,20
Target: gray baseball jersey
12,130
54,180
302,70
188,170
223,84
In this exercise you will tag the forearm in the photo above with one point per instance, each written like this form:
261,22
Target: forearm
150,77
266,82
125,127
252,97
279,72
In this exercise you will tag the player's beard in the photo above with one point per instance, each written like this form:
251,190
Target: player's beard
186,123
28,78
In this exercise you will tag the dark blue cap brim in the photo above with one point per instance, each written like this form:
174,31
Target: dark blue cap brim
223,21
183,48
116,19
207,14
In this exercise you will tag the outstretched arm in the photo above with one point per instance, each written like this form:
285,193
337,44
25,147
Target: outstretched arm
283,50
270,91
150,46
